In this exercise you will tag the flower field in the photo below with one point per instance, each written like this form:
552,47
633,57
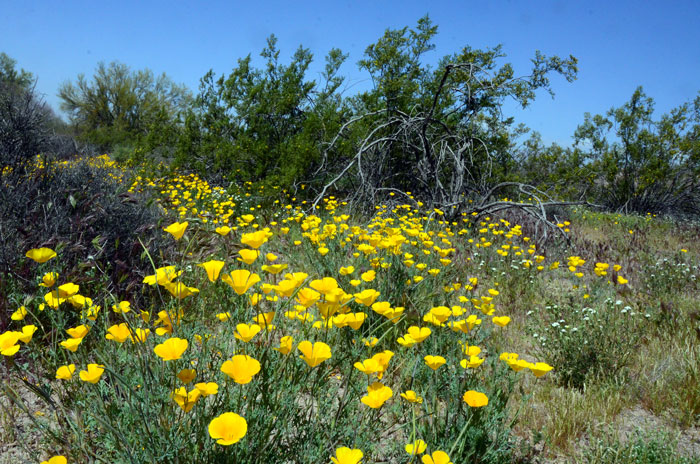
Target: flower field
271,332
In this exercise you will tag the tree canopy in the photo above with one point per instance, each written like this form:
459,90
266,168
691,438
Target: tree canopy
119,105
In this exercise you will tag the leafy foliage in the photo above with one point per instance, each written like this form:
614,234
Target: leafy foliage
121,106
265,123
644,165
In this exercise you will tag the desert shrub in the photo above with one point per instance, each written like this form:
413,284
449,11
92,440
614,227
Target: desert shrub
588,343
81,208
24,130
644,165
656,447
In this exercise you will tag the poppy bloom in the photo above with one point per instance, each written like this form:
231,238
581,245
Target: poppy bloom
213,268
65,372
245,332
471,350
122,307
254,239
501,321
176,229
163,275
56,460
118,333
241,280
434,362
539,369
40,255
79,301
228,428
472,362
438,457
368,276
346,270
367,297
440,313
383,359
180,290
71,344
297,277
8,343
248,256
171,349
314,354
325,285
377,395
139,335
419,334
381,307
352,320
411,397
93,373
187,375
20,314
415,448
307,297
78,332
368,366
472,321
207,388
475,399
517,364
286,288
264,319
285,344
345,455
53,300
273,268
406,341
25,336
185,399
241,368
49,279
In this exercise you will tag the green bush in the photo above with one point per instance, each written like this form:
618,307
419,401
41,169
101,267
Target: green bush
642,448
588,343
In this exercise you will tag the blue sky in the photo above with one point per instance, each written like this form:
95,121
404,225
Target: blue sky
620,44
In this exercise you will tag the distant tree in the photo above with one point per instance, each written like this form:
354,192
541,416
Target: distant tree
121,106
562,171
264,124
11,76
645,165
440,133
25,119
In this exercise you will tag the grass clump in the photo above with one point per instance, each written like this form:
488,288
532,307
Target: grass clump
642,448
